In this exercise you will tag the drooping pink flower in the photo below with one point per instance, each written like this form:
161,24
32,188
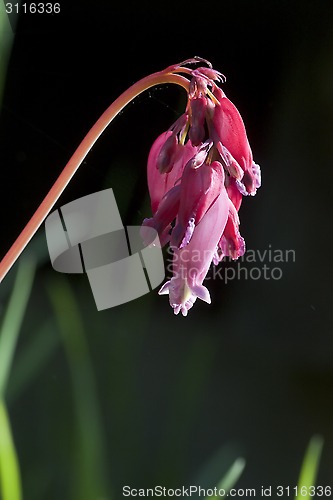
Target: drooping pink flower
191,263
198,171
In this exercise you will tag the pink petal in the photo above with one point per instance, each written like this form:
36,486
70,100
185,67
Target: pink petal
229,128
167,155
232,244
198,110
199,189
163,217
159,184
233,192
191,264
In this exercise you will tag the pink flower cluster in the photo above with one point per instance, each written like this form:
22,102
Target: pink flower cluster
198,171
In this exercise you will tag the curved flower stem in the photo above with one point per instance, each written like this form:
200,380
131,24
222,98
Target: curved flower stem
58,187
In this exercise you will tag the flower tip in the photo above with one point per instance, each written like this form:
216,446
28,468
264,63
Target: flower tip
177,308
251,180
164,290
183,308
202,293
148,232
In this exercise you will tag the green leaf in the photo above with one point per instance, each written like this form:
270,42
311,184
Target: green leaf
13,318
9,467
309,469
90,478
6,39
230,478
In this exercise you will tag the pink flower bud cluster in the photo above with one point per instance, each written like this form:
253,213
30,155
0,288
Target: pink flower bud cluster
198,172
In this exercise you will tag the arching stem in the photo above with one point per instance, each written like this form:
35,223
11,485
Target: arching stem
60,184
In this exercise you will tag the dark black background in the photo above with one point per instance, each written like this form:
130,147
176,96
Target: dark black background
271,382
67,68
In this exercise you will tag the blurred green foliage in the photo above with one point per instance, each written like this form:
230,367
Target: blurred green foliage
6,39
87,461
10,328
136,396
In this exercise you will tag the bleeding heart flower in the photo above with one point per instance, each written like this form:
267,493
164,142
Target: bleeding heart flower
198,171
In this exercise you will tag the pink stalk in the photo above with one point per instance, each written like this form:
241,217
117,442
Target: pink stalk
60,184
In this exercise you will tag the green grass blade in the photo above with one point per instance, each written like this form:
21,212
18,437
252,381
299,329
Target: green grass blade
11,325
6,40
9,467
13,318
309,469
230,478
33,359
90,476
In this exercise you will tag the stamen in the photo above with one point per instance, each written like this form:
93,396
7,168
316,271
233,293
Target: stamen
212,97
183,135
